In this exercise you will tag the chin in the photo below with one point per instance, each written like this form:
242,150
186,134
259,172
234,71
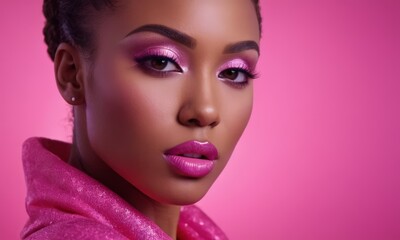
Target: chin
184,191
184,199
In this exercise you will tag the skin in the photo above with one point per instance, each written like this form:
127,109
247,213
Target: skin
126,118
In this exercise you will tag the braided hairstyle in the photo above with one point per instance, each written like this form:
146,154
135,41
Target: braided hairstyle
258,13
67,21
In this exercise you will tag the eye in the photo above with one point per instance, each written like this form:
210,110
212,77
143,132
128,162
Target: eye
159,64
235,75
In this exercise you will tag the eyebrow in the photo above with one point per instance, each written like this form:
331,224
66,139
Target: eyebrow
242,46
189,41
167,32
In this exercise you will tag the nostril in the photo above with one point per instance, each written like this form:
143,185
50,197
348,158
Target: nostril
198,116
194,122
214,124
197,123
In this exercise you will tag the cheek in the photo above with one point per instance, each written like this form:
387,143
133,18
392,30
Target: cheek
128,117
235,114
124,112
238,107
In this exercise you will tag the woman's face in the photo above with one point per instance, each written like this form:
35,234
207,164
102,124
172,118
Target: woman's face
165,73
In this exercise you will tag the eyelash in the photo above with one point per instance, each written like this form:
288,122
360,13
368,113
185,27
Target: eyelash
240,68
155,56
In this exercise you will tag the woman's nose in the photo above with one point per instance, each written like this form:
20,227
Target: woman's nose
200,108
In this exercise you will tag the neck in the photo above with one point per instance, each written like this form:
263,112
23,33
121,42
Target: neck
164,215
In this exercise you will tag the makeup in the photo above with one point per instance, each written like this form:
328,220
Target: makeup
147,44
192,159
236,72
160,61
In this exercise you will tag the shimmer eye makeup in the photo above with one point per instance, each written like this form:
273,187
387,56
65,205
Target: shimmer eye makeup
154,54
236,72
161,60
161,51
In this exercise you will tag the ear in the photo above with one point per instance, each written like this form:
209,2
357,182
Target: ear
69,71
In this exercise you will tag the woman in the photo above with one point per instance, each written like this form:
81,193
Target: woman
161,92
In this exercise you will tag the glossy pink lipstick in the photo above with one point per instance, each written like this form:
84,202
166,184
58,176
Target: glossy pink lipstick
192,159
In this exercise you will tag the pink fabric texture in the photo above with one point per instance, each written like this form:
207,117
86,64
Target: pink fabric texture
64,203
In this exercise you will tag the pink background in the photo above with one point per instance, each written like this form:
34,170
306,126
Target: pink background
321,156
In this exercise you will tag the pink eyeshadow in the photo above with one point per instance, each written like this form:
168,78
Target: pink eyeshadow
235,63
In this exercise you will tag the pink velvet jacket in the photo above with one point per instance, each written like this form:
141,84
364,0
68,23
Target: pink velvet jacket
64,203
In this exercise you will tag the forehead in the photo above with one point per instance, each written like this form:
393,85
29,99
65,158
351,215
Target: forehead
204,20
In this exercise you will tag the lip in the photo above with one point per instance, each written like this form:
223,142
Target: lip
192,158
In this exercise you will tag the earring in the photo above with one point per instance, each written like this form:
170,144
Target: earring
73,99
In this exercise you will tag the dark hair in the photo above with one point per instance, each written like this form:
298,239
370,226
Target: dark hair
67,21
